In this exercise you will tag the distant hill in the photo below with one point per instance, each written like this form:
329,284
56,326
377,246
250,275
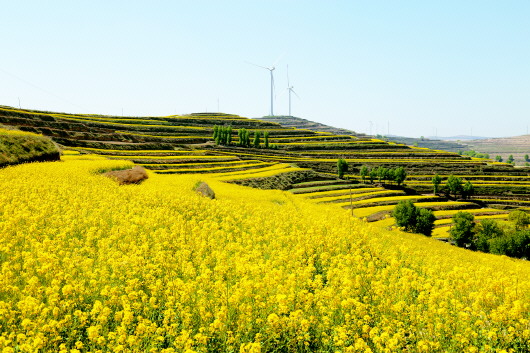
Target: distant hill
299,123
435,144
518,146
458,138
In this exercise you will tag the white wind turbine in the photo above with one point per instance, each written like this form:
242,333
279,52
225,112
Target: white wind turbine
271,69
291,90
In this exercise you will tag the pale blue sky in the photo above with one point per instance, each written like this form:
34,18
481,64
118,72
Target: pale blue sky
413,67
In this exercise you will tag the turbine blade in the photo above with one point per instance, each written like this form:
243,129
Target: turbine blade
279,58
288,85
292,90
263,67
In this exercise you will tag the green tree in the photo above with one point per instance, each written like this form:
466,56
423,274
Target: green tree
215,132
526,158
244,138
485,231
381,172
266,139
364,173
400,175
257,139
342,167
406,215
468,189
373,175
389,175
454,184
498,158
462,229
520,218
425,222
515,244
510,159
414,219
436,181
229,135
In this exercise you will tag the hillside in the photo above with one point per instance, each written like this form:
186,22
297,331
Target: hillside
300,123
518,146
88,265
300,160
21,147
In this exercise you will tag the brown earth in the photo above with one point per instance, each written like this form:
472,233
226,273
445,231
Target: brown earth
134,175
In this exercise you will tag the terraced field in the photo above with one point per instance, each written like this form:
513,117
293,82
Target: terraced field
302,160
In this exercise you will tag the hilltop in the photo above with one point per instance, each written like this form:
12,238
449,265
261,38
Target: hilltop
300,123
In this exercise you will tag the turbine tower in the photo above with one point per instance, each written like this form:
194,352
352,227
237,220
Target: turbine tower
271,69
291,90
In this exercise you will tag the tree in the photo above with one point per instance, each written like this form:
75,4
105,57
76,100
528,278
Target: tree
485,231
229,135
406,215
342,167
436,181
454,184
389,175
516,244
364,173
498,158
510,159
468,189
381,173
400,175
462,229
526,158
244,138
519,218
414,219
266,139
257,139
373,175
215,132
425,222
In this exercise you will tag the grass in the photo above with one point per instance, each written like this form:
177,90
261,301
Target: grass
20,146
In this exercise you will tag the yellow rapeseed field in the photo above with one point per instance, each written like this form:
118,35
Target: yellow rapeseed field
90,266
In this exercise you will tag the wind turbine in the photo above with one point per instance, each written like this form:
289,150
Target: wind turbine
271,69
291,90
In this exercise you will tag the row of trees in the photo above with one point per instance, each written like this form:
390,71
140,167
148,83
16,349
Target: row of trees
490,236
223,136
383,174
474,154
380,173
454,185
414,219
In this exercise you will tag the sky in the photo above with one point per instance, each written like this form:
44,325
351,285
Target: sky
409,68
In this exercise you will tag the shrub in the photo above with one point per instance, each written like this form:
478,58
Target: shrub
519,218
485,231
414,219
400,175
454,184
342,167
425,222
436,181
462,229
